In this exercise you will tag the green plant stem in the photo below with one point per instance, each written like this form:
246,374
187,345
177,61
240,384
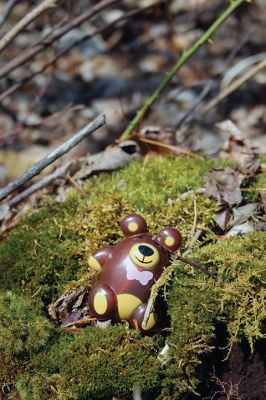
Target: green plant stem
181,61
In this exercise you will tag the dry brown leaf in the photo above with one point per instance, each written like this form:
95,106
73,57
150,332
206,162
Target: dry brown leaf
239,149
224,185
112,158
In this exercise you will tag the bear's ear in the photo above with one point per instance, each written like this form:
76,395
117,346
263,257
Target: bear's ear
133,224
170,239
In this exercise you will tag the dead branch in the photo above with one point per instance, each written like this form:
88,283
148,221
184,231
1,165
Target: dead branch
60,172
36,168
50,38
7,11
66,50
194,264
25,21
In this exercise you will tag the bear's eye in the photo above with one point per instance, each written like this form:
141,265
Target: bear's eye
144,255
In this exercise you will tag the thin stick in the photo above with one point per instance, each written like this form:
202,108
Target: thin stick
66,50
194,264
195,106
182,60
82,321
25,21
7,11
60,172
234,86
56,34
36,168
76,185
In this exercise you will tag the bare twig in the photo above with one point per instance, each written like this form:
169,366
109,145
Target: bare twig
194,264
36,168
182,60
66,50
7,11
81,321
193,241
234,86
193,109
50,38
76,185
196,108
25,21
165,279
240,68
60,172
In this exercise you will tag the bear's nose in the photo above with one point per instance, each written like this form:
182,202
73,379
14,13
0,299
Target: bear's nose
145,251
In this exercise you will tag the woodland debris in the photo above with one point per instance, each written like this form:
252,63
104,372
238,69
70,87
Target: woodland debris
52,36
239,149
25,21
241,229
36,168
112,158
224,185
242,214
222,217
69,307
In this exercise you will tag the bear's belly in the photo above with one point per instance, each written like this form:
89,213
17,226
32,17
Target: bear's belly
126,304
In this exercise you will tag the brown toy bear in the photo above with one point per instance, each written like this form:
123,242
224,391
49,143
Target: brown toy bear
128,270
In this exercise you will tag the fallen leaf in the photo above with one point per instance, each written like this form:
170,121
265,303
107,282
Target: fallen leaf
224,185
69,307
112,158
222,217
242,214
239,149
241,229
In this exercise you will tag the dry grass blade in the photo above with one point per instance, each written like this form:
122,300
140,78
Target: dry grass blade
157,145
235,85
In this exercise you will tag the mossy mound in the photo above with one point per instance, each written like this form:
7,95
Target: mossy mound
47,254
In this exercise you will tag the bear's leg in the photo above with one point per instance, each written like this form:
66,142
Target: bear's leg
137,316
102,302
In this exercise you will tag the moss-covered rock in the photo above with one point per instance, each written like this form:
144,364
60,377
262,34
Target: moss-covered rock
47,254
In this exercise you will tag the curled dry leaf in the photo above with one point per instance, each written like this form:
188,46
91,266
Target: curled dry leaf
224,185
239,149
247,227
69,307
242,214
222,217
112,158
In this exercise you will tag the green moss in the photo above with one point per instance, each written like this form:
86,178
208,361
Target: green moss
23,330
47,249
10,368
149,188
100,364
41,254
47,253
198,303
240,264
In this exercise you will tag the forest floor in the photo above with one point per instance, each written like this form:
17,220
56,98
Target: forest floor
196,161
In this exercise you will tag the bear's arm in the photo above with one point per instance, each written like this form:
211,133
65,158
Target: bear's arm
98,259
